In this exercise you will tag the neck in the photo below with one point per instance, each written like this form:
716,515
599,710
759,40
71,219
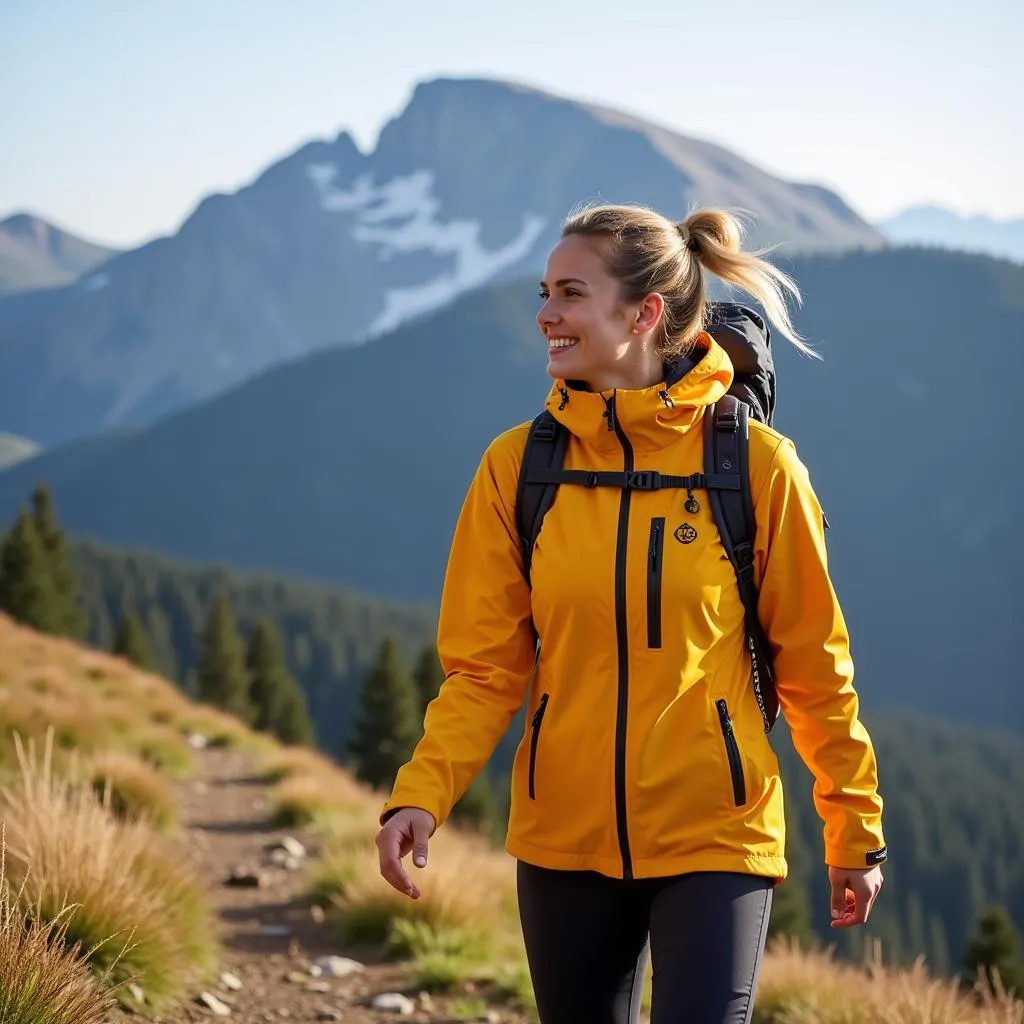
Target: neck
635,377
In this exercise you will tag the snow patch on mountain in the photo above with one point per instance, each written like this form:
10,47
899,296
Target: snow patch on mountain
401,216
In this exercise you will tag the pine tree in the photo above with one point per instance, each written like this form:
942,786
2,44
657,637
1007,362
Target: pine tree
70,621
791,913
387,725
428,676
26,588
222,679
279,705
996,946
293,724
132,642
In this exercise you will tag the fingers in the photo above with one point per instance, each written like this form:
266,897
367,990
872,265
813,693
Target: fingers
852,900
842,903
389,851
420,835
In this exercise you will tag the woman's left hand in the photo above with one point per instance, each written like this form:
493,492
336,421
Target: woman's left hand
854,891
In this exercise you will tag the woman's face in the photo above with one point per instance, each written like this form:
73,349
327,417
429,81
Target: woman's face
592,334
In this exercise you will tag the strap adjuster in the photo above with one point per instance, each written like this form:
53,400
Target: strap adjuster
544,431
643,480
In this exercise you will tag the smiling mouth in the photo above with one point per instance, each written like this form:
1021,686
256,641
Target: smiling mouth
558,344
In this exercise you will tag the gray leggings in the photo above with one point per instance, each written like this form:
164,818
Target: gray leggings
587,941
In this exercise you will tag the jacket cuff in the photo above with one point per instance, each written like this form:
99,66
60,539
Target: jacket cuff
400,801
856,859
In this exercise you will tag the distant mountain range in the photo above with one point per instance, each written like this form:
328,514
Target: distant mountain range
350,465
468,186
933,225
34,254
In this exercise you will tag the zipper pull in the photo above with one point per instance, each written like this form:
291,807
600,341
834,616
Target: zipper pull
723,714
609,411
652,551
539,713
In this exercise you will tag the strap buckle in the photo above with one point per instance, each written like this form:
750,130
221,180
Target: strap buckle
643,480
544,431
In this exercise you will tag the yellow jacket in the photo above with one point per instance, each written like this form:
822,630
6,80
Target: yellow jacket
644,755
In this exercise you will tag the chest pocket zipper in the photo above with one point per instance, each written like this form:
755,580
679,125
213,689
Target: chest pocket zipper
538,718
732,749
655,555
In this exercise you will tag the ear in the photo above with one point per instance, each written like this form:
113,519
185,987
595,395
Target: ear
649,312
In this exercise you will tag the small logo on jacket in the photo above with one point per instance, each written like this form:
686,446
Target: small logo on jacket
685,534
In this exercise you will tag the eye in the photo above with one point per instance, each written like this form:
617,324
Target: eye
572,291
543,293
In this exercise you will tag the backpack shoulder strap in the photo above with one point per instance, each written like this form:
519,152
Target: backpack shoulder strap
546,444
726,435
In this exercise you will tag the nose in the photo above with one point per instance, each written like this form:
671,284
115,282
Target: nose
546,316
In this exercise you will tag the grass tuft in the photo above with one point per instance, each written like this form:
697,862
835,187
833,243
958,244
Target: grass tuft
133,789
464,884
164,748
310,800
125,880
797,987
442,959
43,978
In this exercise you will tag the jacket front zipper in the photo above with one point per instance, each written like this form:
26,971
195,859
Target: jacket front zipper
739,787
538,718
654,557
622,635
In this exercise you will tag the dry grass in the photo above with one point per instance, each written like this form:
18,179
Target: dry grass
133,789
316,801
43,980
92,701
283,762
811,988
126,881
464,884
219,729
164,748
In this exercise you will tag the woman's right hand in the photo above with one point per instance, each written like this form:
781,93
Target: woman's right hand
407,829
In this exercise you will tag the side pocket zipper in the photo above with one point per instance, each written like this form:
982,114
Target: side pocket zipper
739,786
655,552
538,717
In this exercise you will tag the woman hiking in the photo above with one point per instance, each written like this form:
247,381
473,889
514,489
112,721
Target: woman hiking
646,804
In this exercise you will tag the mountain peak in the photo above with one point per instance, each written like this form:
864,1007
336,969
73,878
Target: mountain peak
933,225
331,245
36,254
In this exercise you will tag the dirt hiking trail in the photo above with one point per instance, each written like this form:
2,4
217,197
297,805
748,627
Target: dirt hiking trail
270,935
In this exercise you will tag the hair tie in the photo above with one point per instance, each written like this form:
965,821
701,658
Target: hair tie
689,241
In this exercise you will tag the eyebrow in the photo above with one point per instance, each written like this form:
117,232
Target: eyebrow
566,280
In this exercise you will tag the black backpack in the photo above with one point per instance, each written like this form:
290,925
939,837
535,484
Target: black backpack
746,338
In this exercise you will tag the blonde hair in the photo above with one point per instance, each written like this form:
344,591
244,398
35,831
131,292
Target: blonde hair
646,253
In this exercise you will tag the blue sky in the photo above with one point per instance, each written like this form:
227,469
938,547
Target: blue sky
120,116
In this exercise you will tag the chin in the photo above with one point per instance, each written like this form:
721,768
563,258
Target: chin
566,369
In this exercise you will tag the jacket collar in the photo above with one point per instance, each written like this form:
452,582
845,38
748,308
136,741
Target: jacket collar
651,418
